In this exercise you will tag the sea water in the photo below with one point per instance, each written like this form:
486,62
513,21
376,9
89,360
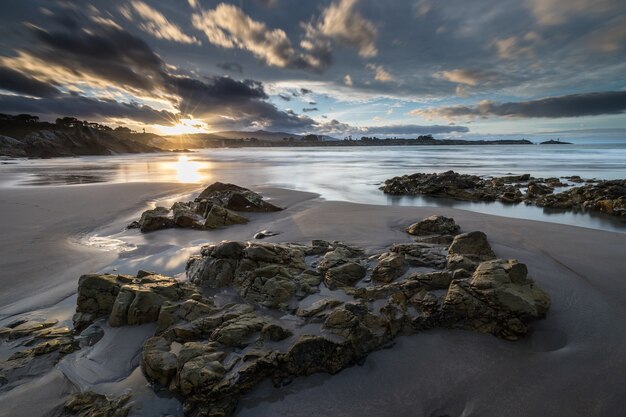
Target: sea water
344,173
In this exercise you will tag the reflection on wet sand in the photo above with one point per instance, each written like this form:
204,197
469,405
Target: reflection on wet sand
188,171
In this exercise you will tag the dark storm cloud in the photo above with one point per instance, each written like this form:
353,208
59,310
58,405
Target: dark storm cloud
230,66
84,107
104,51
19,83
111,55
573,105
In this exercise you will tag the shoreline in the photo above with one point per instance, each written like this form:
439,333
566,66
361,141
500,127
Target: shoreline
557,257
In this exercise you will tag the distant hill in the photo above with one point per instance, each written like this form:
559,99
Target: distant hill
25,136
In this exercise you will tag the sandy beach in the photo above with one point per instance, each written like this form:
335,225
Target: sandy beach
571,363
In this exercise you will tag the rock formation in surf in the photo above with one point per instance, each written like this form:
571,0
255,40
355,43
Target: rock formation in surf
217,206
608,196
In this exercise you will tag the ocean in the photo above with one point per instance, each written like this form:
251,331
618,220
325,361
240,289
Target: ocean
347,174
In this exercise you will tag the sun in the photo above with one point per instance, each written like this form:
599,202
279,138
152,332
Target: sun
183,127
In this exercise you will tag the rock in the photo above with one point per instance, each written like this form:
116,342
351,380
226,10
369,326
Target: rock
461,262
538,189
219,216
434,225
210,349
90,404
96,296
265,273
264,233
317,307
472,245
344,275
391,265
127,299
605,196
439,280
421,254
157,362
275,332
445,240
498,299
311,354
156,219
215,207
200,368
185,216
235,198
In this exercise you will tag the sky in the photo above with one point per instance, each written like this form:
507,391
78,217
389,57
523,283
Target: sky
454,68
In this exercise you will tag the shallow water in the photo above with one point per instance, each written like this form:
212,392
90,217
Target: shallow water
347,174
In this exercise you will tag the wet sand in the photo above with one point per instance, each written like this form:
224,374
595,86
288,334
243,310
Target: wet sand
572,364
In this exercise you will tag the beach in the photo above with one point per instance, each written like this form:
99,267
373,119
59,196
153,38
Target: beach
570,364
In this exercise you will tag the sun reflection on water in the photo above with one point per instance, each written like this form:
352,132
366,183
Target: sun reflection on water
188,171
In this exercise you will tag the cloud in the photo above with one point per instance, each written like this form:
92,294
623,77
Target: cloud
555,12
347,80
309,109
515,47
574,105
17,82
464,76
284,97
335,127
231,66
228,26
85,108
340,21
156,24
102,57
380,73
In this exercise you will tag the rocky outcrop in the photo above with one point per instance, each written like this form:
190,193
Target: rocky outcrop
32,345
499,299
233,197
126,299
215,207
604,196
253,311
90,404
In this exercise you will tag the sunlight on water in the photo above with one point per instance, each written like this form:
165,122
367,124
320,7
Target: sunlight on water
188,171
